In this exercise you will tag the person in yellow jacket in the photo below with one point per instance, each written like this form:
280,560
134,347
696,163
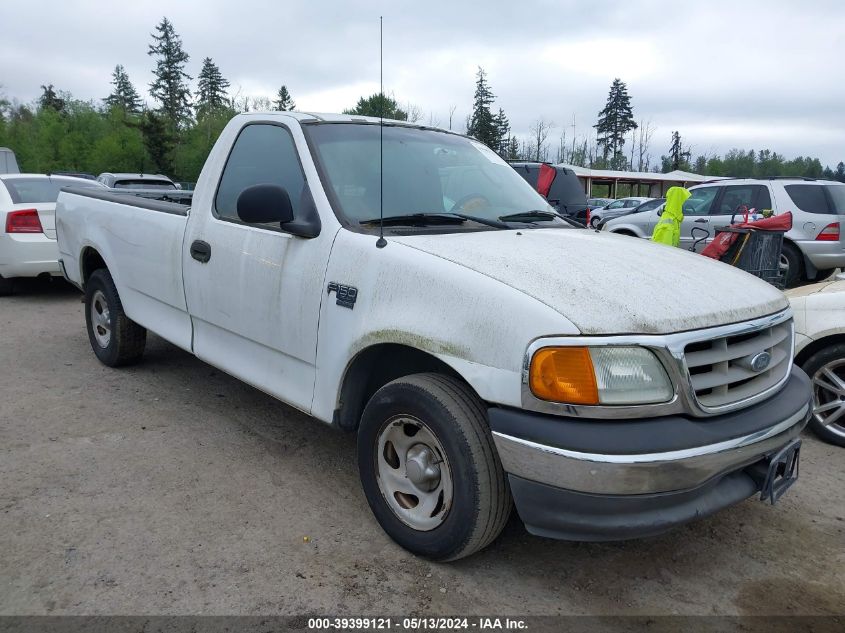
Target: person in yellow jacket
668,229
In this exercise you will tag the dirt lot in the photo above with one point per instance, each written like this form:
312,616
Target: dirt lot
171,488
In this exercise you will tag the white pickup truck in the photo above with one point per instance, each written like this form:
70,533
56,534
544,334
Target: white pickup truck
486,351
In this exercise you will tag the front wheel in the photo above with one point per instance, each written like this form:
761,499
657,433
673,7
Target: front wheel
429,469
826,369
115,338
594,221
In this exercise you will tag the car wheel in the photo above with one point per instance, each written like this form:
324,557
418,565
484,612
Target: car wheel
7,287
826,369
429,468
594,221
792,265
115,338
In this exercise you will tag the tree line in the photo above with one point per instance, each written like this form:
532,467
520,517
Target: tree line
176,133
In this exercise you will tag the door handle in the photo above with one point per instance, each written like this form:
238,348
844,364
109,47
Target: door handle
201,251
702,221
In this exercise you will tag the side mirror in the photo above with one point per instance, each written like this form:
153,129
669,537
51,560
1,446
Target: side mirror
659,213
261,204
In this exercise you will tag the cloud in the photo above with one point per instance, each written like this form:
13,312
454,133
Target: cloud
724,73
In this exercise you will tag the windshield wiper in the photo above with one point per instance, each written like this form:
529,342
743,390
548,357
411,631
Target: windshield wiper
423,219
542,216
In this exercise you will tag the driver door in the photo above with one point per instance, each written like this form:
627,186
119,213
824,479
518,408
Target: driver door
697,220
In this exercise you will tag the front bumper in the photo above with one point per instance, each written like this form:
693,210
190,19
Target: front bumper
28,255
604,480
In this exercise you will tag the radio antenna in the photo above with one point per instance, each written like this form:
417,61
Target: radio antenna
381,242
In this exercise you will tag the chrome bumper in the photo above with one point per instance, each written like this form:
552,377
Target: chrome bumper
642,473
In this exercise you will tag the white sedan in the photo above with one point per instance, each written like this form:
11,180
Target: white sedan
820,351
28,225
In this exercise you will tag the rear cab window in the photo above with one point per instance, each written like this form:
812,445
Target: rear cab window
818,198
144,183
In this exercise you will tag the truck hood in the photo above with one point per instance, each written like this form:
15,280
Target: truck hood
609,284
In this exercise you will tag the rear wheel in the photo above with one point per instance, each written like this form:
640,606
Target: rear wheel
429,468
6,287
826,369
792,265
594,221
115,338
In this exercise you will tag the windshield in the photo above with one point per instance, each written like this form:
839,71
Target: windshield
41,189
425,171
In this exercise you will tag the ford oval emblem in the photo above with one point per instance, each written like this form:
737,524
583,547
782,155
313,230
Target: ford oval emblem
759,362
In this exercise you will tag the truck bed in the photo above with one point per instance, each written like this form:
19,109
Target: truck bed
140,240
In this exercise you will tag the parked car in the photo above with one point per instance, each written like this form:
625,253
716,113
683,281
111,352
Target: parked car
136,181
564,192
598,203
820,350
615,209
27,225
814,247
8,162
483,349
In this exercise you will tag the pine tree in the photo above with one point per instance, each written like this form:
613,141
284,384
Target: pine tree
158,140
123,95
503,130
379,105
615,121
482,123
170,86
840,172
284,101
678,156
211,89
49,99
513,148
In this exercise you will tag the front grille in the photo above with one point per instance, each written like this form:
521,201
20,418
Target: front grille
720,370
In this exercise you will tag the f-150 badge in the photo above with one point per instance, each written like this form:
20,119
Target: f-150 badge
346,295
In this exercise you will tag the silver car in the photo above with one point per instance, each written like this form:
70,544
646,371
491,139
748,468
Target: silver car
615,209
812,249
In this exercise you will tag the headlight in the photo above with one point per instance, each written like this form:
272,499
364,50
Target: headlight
599,375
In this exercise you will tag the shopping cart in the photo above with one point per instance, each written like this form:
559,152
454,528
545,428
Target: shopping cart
754,247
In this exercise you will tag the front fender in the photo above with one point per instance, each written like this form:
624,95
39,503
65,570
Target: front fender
476,325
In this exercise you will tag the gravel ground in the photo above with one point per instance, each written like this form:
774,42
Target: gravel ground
172,488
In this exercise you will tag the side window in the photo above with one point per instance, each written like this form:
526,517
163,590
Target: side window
631,203
700,201
263,154
618,204
809,198
734,198
763,200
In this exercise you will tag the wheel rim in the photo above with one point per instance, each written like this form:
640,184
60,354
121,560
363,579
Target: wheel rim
413,473
784,265
100,319
829,396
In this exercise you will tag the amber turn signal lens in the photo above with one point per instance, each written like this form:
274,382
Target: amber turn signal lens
563,374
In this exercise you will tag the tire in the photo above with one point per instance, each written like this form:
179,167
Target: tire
795,265
472,509
114,337
594,221
7,287
830,359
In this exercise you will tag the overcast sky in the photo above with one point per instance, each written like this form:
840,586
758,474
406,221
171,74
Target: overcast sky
736,73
